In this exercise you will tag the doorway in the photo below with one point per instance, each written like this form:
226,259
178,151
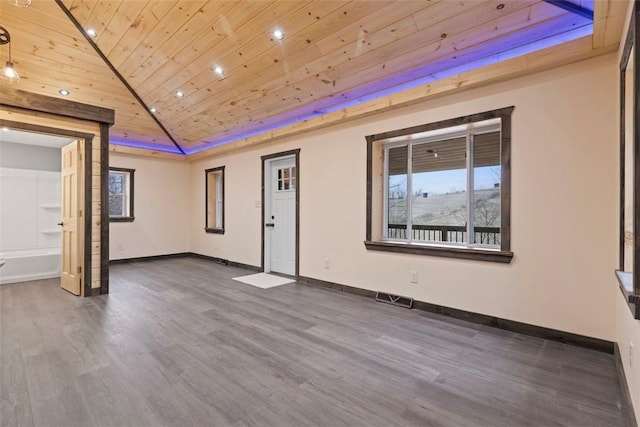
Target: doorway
44,114
280,213
29,206
60,244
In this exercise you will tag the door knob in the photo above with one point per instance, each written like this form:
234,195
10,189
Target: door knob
60,223
269,224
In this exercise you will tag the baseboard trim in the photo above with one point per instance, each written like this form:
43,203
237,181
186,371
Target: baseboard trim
148,258
519,327
336,287
624,387
225,262
184,255
483,319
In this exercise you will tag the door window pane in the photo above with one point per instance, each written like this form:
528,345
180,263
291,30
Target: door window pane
286,179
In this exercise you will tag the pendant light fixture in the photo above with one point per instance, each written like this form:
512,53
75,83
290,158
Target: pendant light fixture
8,72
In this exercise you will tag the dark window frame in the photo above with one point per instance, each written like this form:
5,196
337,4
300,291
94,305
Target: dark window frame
130,195
207,229
504,254
628,281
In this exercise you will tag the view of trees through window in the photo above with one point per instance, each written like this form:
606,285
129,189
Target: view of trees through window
116,194
437,195
120,188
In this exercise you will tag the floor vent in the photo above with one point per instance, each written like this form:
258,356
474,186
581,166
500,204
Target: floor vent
400,301
221,261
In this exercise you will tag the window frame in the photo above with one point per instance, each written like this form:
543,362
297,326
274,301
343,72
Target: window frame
464,251
628,281
220,200
129,195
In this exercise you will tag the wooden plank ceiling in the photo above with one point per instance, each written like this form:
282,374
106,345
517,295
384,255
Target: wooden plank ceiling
334,54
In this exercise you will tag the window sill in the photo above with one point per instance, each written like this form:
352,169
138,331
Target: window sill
122,219
214,230
442,251
625,280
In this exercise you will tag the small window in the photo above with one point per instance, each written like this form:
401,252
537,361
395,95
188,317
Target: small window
444,188
214,188
121,195
287,179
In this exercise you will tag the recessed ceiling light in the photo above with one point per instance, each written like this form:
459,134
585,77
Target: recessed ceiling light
64,92
20,3
153,110
218,70
278,34
180,94
5,129
91,32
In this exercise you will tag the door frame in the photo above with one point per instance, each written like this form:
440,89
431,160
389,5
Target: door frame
87,140
266,162
34,104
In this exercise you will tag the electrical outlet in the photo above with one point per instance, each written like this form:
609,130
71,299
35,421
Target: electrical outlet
631,354
414,277
327,264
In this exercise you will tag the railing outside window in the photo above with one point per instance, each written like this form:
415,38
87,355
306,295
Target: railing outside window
444,233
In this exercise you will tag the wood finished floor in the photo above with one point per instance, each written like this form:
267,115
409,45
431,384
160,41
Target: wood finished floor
178,343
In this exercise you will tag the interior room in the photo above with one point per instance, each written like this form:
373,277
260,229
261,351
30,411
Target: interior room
330,213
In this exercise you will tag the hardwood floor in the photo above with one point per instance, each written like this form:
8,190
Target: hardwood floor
178,343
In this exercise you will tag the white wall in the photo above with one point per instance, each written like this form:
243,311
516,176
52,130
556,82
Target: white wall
161,209
33,157
29,210
628,332
29,197
564,205
242,213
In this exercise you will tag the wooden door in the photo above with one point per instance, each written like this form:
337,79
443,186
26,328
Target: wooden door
281,218
72,230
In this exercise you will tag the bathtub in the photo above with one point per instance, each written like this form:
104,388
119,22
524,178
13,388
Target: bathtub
25,265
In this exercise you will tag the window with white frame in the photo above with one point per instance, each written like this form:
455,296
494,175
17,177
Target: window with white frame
286,179
445,187
442,187
121,194
215,200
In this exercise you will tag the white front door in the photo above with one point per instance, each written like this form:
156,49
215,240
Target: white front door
71,223
280,216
